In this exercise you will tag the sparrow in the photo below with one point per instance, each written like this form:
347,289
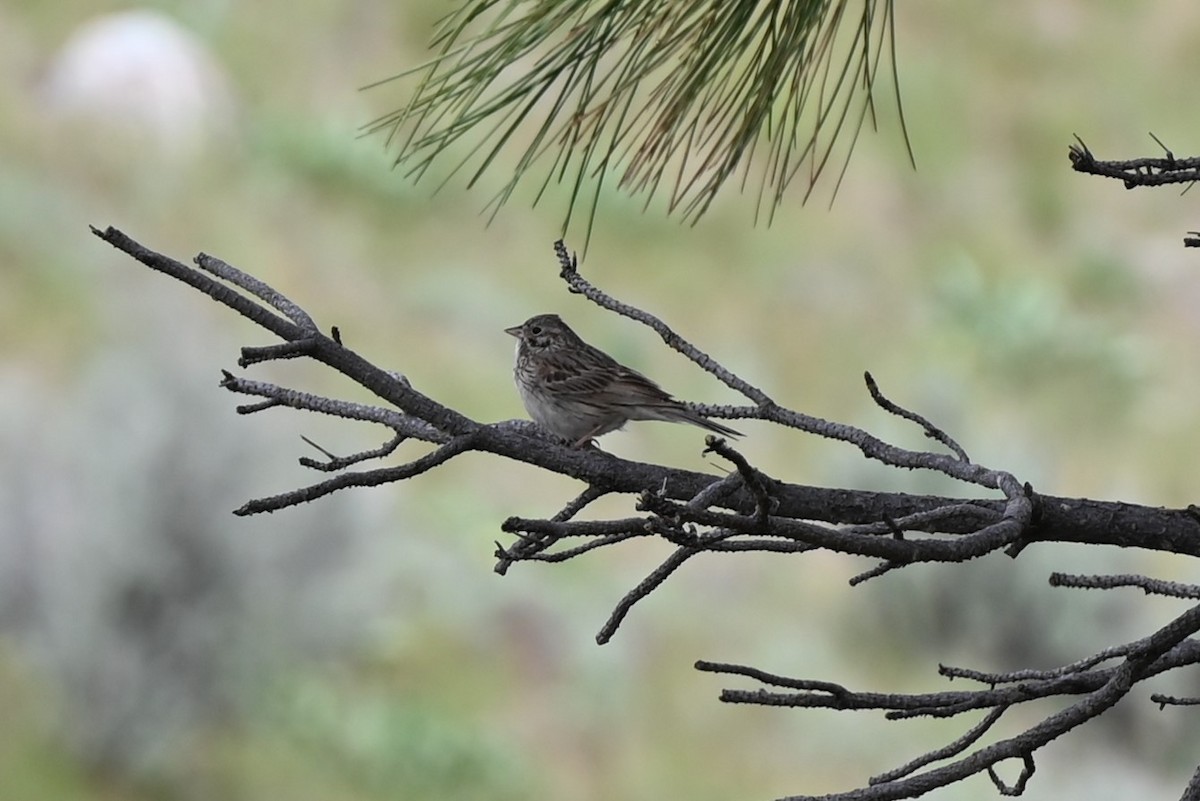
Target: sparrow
579,392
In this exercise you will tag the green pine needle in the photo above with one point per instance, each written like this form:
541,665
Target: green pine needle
672,95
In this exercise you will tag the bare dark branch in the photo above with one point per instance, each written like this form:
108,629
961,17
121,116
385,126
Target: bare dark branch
569,270
369,478
592,493
952,749
334,463
1148,585
1059,519
1192,791
644,588
1166,649
1136,172
1018,787
259,289
1171,700
931,431
746,510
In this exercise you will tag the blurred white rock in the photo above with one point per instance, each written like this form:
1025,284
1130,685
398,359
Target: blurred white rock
141,76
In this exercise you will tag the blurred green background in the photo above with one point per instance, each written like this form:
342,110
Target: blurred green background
152,646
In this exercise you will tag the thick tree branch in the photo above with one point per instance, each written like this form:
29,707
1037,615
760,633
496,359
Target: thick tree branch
746,510
1052,519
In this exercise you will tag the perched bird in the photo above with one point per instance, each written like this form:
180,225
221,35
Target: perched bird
580,392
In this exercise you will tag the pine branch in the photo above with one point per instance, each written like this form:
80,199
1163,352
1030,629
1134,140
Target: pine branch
671,96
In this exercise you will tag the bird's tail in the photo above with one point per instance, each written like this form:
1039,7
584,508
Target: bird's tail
686,415
713,426
672,411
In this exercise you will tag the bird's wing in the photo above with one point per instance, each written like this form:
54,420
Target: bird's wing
594,375
631,387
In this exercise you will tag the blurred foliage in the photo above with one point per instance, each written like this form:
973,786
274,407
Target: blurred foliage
383,745
154,647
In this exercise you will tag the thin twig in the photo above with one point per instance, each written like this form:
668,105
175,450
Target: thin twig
1148,585
370,478
1018,787
569,271
301,348
335,463
1172,700
257,288
644,588
593,492
931,431
951,749
752,479
401,423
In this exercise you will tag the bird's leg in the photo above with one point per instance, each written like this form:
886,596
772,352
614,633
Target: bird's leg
590,436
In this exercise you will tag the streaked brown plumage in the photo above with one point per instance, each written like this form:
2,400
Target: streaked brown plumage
580,392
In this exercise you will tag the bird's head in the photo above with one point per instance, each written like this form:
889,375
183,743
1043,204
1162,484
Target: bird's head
544,332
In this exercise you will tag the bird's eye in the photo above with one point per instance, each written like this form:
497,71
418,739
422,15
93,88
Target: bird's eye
535,330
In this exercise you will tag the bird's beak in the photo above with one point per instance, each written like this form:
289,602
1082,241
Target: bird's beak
515,331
